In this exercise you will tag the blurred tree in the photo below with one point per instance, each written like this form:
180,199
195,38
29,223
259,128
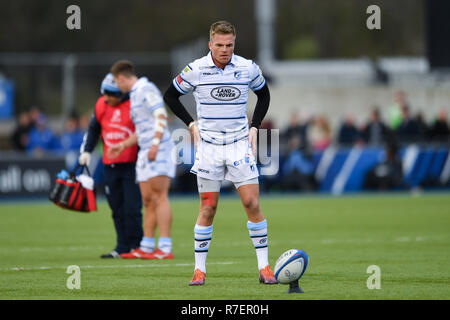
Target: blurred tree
304,28
304,47
339,28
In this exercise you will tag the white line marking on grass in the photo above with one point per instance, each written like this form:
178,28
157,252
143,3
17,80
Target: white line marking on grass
117,266
64,248
402,239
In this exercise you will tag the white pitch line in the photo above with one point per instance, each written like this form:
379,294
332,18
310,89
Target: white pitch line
115,266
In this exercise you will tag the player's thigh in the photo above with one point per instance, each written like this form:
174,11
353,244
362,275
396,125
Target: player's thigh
154,189
240,162
209,163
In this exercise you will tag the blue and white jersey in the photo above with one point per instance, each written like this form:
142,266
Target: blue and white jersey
221,96
145,98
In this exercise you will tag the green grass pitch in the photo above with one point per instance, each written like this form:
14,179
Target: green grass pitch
408,237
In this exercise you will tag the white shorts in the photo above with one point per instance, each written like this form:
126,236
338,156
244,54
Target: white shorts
205,185
234,162
162,166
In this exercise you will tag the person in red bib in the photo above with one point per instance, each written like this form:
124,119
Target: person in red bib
112,123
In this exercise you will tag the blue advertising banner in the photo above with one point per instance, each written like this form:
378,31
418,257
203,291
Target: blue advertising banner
6,99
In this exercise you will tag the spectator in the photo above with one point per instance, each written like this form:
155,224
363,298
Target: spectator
319,133
388,174
423,127
35,112
70,141
440,131
72,137
409,130
20,135
375,131
395,110
296,129
84,121
348,133
298,170
41,138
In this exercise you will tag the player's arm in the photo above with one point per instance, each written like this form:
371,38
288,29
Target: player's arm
172,99
90,140
262,105
160,116
115,150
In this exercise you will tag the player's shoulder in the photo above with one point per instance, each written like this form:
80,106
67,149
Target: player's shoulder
144,85
240,61
196,66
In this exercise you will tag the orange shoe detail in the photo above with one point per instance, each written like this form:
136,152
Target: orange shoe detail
266,276
198,279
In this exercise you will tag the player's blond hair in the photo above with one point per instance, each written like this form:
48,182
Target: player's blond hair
221,27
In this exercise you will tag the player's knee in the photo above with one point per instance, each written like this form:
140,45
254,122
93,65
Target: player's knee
251,204
147,201
150,200
207,212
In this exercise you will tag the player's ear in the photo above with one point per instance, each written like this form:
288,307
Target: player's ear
209,44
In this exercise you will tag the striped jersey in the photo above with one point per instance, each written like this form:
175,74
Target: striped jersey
145,98
221,96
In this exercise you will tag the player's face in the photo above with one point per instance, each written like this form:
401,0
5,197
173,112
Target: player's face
121,82
222,47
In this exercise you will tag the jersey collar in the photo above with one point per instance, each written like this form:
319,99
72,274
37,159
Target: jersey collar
138,83
211,63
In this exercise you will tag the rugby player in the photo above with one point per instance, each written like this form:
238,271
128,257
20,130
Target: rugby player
154,166
225,146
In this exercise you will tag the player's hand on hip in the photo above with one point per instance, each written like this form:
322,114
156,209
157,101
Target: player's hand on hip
115,150
84,159
153,152
253,139
195,133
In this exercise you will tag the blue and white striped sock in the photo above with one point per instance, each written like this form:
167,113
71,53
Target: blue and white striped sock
147,244
258,235
202,237
165,244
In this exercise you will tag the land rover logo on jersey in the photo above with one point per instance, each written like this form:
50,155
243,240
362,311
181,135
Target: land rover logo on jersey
225,93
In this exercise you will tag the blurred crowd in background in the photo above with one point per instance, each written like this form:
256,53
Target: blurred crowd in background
388,127
34,136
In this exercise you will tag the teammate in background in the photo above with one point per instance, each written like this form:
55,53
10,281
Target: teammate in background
111,121
154,166
225,147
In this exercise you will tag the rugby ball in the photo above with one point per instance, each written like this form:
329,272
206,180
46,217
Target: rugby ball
290,266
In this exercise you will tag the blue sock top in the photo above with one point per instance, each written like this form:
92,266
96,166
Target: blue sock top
253,226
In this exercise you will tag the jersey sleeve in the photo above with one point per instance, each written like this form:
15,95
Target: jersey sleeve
185,82
257,80
152,98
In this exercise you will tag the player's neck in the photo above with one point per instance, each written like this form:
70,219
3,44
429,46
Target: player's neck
132,82
220,65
